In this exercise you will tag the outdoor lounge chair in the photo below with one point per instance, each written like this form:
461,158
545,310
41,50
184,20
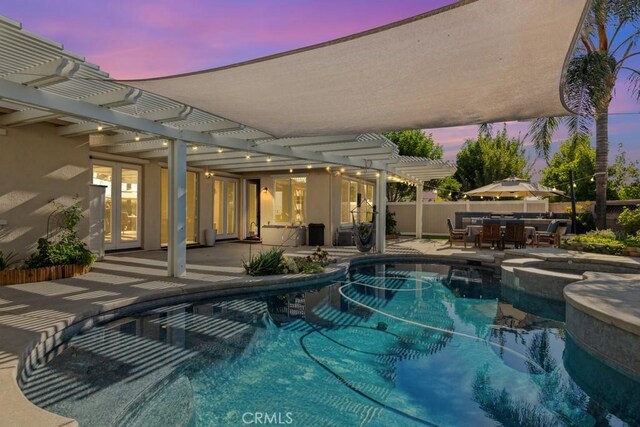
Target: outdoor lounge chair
551,237
514,233
490,234
456,234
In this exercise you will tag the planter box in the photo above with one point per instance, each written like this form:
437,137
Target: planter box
30,275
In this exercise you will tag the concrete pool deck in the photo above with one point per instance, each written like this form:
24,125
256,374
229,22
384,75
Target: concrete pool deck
36,317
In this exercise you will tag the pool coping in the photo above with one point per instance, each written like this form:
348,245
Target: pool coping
21,411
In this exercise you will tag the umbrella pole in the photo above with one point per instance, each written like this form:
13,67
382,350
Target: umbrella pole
573,202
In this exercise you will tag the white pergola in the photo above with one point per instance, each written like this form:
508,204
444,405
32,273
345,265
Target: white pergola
41,81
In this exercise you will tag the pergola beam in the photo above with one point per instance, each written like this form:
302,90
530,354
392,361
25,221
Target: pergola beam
165,115
78,108
49,73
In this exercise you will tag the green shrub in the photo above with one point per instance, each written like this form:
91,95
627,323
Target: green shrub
274,262
598,241
62,246
599,235
7,260
264,263
633,241
391,223
630,220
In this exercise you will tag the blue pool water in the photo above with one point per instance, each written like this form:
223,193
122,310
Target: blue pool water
393,345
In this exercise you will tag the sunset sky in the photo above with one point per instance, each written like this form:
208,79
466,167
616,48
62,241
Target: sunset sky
144,38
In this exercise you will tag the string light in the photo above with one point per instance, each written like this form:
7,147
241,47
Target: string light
290,170
269,159
219,149
248,156
309,166
137,138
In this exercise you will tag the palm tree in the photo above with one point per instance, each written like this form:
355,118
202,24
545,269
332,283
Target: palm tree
599,60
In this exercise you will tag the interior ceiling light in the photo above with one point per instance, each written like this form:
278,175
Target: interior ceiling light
248,156
358,173
342,170
100,127
219,149
137,138
269,159
309,166
290,170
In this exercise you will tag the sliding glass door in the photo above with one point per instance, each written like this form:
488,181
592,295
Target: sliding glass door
122,203
192,207
225,196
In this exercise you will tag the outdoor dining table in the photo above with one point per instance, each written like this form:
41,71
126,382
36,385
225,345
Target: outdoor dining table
529,232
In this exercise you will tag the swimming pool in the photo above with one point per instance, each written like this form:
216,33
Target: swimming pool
392,345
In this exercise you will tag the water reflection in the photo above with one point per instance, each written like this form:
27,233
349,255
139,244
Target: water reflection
406,344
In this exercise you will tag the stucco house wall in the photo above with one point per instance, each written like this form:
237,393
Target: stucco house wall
36,167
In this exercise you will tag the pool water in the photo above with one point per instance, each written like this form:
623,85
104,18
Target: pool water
392,345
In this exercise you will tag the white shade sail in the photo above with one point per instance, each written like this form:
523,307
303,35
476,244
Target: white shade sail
479,61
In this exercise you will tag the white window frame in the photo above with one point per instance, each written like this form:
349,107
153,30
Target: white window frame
291,209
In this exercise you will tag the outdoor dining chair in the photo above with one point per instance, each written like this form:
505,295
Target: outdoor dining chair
458,235
551,237
490,234
514,233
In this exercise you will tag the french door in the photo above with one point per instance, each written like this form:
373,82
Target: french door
225,196
122,203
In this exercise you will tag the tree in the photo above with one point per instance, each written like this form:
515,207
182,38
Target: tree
488,158
574,154
624,177
411,143
448,188
599,60
578,155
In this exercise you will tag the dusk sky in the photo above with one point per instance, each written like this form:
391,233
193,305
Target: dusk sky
144,38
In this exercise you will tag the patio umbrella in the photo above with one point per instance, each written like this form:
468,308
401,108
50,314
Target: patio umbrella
514,187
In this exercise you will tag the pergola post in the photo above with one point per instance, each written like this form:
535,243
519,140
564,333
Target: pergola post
381,188
177,250
419,208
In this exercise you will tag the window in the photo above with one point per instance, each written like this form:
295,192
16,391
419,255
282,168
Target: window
349,200
224,207
366,214
290,200
192,207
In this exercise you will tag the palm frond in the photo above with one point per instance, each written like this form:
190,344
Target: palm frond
541,131
579,125
634,80
485,129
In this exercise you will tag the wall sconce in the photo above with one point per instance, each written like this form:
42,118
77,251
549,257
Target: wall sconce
265,189
208,174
